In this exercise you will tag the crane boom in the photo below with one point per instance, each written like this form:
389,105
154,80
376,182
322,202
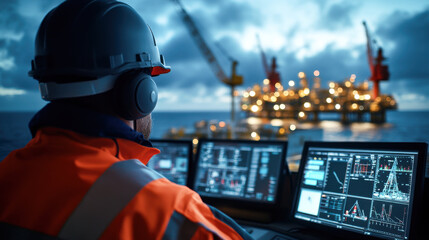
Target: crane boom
264,58
369,49
234,80
208,54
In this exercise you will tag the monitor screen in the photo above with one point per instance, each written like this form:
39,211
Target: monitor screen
367,191
173,161
241,170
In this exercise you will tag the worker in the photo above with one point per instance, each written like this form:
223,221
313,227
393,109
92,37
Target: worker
83,175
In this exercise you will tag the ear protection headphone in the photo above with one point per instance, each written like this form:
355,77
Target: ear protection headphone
135,94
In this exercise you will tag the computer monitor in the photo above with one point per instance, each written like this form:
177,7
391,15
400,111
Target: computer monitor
370,189
174,160
240,173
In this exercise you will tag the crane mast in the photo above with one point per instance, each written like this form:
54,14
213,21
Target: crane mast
234,80
379,71
264,58
369,49
270,71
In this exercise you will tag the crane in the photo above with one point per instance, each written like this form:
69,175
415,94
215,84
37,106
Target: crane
379,72
270,72
232,81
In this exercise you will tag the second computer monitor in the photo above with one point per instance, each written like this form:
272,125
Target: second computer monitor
174,160
239,170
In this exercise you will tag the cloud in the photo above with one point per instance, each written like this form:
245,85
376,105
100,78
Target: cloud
339,15
6,62
11,91
18,26
202,97
408,36
29,102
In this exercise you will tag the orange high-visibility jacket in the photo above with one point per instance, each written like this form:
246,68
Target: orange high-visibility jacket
43,185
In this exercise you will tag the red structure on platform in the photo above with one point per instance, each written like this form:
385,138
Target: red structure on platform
270,71
379,72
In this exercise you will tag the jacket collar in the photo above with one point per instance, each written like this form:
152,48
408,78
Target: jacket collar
84,121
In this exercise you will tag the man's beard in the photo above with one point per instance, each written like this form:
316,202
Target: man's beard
144,125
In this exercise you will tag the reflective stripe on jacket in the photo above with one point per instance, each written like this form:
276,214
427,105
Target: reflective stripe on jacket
43,184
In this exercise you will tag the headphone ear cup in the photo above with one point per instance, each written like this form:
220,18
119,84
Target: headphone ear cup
146,95
136,95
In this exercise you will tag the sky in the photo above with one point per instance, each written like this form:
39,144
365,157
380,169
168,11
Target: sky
304,35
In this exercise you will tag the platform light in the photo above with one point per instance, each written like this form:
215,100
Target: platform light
291,83
357,96
354,106
316,73
282,131
361,107
307,105
285,93
331,85
292,127
301,74
331,91
340,89
301,114
306,91
244,107
273,98
276,107
266,98
277,94
282,106
195,141
348,84
278,85
222,124
355,92
337,106
213,128
255,136
329,100
367,97
254,108
266,81
366,84
259,102
252,93
246,94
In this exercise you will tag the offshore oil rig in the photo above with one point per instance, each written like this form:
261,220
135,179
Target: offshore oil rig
273,110
351,101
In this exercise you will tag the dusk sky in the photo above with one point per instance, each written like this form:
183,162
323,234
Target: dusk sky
304,35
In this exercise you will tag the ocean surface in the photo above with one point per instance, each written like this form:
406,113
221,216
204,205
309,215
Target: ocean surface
401,126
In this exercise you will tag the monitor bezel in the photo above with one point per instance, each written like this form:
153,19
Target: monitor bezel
190,149
419,147
231,203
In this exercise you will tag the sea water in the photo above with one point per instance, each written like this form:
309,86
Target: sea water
401,126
